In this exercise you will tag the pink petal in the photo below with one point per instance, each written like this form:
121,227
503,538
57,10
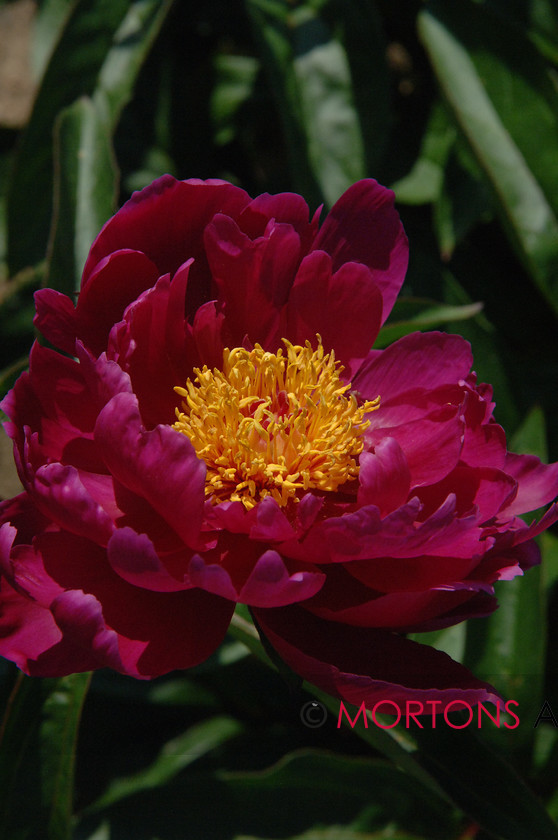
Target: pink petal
345,308
59,491
363,226
400,611
271,523
384,477
30,637
253,278
166,221
417,361
114,283
431,446
537,483
208,334
156,632
160,466
269,582
363,535
482,490
133,557
411,574
484,445
152,344
56,319
283,207
367,665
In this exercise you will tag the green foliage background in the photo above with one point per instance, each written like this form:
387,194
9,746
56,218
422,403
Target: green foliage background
455,106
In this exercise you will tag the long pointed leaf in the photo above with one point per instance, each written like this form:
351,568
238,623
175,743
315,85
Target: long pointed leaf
475,77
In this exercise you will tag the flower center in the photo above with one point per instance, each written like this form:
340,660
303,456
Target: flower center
273,424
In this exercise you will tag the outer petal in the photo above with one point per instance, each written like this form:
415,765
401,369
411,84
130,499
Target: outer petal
363,535
155,346
60,493
363,226
417,361
282,207
133,557
30,637
537,483
356,664
56,318
160,466
268,584
431,446
115,282
166,221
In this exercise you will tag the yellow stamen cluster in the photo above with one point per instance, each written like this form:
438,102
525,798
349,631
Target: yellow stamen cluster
273,424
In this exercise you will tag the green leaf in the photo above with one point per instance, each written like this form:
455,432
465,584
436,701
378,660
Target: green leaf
549,543
49,22
234,84
174,757
464,200
310,74
359,27
530,438
498,89
61,715
352,791
483,785
423,184
488,352
339,832
411,314
71,72
85,191
37,756
132,44
85,170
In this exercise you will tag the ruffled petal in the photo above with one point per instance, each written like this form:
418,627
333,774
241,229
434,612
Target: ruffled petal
253,277
166,221
537,483
133,557
363,665
114,283
160,466
344,308
384,477
419,361
363,226
56,319
269,582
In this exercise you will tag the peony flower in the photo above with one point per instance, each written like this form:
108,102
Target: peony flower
216,430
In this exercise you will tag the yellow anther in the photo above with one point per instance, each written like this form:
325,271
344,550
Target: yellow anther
273,424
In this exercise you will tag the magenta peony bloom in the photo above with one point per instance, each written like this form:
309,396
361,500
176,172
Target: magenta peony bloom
220,432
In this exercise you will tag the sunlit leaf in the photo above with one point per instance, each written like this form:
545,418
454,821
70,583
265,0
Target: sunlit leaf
497,88
71,72
311,75
410,314
85,191
423,184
